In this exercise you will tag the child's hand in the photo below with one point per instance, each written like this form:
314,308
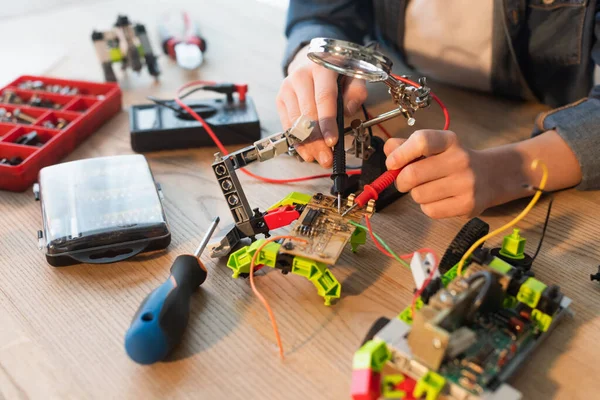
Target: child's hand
311,89
451,181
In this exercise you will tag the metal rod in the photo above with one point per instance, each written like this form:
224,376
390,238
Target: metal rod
382,117
207,237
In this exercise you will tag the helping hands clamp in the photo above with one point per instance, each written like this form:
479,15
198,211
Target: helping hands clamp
249,222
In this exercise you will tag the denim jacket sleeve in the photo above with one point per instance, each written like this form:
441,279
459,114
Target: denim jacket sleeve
579,125
337,19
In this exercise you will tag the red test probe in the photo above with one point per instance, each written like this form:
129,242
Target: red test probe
372,190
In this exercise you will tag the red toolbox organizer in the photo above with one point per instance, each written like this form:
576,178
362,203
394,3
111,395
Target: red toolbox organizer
85,111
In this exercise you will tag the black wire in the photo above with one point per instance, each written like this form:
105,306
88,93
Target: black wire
539,247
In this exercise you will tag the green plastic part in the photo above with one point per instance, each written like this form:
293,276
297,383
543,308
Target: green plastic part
510,302
292,198
500,265
530,292
513,246
406,314
542,320
388,387
115,54
372,355
240,261
430,385
359,237
319,274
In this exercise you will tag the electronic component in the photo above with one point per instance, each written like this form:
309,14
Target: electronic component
100,210
165,126
473,333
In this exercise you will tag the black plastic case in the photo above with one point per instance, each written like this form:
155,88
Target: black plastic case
100,210
155,128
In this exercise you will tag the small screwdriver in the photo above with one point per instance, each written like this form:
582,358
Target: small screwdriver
372,190
159,323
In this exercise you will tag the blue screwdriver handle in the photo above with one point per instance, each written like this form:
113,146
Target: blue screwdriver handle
159,323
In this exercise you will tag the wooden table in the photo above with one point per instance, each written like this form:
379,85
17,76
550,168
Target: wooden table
62,329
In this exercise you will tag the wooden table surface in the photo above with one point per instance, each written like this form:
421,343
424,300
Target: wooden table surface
62,329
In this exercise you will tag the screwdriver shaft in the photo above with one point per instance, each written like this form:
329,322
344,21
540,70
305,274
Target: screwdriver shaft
207,237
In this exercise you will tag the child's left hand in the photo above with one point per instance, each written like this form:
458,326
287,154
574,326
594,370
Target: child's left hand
451,181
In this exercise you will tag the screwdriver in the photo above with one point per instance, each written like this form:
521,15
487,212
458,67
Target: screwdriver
372,190
159,323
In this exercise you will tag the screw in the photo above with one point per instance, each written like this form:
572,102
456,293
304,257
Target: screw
23,117
61,123
437,343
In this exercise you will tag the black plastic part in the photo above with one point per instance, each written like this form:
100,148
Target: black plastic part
376,327
156,128
339,175
524,263
139,29
470,233
372,169
431,289
89,256
174,315
517,279
596,276
152,64
109,74
97,36
284,262
122,21
550,300
134,59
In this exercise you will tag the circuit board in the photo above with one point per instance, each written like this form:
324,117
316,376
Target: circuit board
325,231
499,340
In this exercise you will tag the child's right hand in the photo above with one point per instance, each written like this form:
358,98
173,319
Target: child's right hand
311,89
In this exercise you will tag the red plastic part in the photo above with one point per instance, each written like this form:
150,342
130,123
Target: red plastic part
366,384
241,90
407,386
282,216
86,112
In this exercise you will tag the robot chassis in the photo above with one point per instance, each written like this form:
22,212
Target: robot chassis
325,231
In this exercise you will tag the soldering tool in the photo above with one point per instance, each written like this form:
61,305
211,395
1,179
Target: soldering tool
159,323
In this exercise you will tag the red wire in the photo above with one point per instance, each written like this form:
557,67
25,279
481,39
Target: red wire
424,250
223,150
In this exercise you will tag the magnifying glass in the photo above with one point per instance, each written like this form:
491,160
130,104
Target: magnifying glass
350,59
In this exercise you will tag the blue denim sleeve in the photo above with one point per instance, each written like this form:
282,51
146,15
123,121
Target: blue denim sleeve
579,126
337,19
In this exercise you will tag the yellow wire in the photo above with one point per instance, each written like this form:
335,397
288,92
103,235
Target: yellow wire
512,223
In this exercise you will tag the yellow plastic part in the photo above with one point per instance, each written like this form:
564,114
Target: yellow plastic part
372,355
430,385
513,245
292,198
327,285
531,292
115,54
543,320
388,387
239,261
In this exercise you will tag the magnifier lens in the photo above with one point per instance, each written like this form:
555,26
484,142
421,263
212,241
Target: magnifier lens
350,59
